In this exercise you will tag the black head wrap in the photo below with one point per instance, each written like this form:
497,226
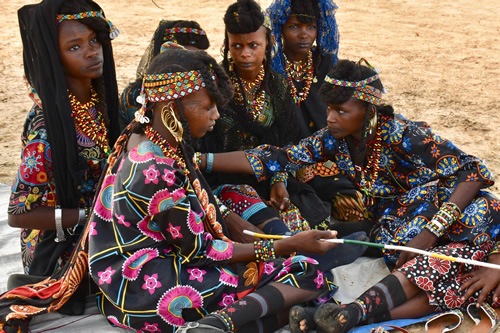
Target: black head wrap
44,72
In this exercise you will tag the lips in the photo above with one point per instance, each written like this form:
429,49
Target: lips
95,65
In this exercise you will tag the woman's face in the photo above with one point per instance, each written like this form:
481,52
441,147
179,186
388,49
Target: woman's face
80,52
248,52
346,119
201,112
298,37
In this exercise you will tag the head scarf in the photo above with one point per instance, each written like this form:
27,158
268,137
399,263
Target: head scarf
43,71
327,40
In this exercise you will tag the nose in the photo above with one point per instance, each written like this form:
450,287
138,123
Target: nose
92,51
216,114
331,115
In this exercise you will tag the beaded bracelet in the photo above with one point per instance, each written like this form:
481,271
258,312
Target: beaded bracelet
444,217
496,248
197,159
224,210
435,228
264,250
279,177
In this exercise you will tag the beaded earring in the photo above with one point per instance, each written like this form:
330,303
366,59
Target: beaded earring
373,121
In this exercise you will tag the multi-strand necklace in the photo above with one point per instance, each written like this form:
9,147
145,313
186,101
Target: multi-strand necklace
85,120
250,93
297,71
166,148
369,173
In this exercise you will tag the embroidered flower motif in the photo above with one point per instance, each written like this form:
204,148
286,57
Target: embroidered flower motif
268,268
473,177
153,327
105,276
435,151
195,223
113,320
196,274
133,265
319,280
219,250
273,166
442,266
121,220
164,199
151,175
495,205
175,231
451,299
168,177
227,299
228,278
104,204
174,300
150,228
92,229
151,283
424,283
251,275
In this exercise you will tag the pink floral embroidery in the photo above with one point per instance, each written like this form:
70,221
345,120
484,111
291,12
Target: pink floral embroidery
150,228
196,274
133,265
174,300
228,278
92,230
121,220
151,175
175,231
219,250
105,276
151,283
269,268
168,177
195,223
150,327
104,203
319,280
164,199
227,299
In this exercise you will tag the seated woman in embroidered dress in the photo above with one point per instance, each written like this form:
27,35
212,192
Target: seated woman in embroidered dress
69,68
418,188
158,247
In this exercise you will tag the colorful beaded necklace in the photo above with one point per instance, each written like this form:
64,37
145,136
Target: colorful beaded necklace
245,92
166,148
296,71
89,125
372,168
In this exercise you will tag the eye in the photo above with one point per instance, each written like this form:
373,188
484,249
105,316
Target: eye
311,27
236,46
74,48
254,45
94,41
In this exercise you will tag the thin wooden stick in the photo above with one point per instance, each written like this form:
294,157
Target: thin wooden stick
388,247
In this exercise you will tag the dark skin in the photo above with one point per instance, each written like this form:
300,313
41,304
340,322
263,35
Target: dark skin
248,52
82,61
201,114
298,38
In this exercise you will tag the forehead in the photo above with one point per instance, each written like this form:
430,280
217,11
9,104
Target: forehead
198,97
294,19
256,36
70,29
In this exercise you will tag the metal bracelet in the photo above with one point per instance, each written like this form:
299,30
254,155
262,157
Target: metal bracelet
60,236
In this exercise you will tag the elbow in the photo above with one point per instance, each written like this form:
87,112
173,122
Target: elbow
14,221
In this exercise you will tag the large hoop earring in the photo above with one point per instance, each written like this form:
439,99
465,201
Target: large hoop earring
373,122
171,122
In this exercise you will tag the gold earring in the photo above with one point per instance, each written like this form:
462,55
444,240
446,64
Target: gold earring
171,122
373,122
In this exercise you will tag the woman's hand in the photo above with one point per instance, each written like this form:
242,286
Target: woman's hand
485,280
280,198
306,242
423,241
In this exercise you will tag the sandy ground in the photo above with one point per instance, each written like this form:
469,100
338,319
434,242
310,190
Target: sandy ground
439,61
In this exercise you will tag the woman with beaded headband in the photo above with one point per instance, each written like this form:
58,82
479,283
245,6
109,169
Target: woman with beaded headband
69,68
159,249
186,33
307,41
418,188
261,111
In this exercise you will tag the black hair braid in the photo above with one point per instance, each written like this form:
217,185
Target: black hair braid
186,136
220,90
243,17
186,39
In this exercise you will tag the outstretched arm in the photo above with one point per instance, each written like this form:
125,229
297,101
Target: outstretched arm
232,162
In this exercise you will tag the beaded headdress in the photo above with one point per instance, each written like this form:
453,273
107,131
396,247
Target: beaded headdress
327,40
363,91
166,86
113,30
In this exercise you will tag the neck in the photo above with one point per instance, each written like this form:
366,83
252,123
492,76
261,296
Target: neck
80,89
248,76
294,56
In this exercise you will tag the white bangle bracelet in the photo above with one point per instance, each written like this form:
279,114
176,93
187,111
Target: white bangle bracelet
60,236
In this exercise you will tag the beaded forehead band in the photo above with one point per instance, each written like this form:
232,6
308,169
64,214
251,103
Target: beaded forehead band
166,86
182,30
113,30
363,91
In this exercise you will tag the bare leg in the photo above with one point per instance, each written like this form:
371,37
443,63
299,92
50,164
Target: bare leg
416,307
